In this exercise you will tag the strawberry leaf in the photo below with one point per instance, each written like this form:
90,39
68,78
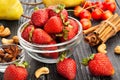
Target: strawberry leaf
86,60
65,32
36,8
59,8
31,33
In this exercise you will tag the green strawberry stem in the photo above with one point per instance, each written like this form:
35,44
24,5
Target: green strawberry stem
59,8
86,60
23,64
36,8
31,33
63,56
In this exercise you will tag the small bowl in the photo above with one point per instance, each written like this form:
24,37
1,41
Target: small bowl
36,50
20,57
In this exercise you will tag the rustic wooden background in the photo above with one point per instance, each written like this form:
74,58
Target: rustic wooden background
81,51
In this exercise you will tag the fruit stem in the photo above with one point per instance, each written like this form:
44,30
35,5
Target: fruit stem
62,56
32,4
91,7
26,16
86,60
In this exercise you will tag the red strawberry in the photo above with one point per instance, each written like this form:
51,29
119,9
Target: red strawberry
15,72
68,33
27,31
74,24
58,11
39,36
39,17
67,68
99,65
54,25
51,55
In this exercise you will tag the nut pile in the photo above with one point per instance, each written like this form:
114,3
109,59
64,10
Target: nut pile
9,53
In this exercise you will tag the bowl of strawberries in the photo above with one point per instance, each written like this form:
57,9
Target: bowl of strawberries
50,33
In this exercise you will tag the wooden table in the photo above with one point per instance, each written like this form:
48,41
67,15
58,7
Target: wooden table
82,50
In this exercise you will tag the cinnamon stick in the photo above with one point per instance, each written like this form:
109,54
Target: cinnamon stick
90,30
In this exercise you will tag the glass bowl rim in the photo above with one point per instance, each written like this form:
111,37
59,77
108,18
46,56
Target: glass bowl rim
50,45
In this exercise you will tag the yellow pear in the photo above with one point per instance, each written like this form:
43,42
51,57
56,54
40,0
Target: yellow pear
10,9
67,3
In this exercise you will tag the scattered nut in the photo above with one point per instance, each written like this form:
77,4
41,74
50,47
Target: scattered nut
40,71
117,49
5,32
1,28
102,48
7,41
15,39
9,53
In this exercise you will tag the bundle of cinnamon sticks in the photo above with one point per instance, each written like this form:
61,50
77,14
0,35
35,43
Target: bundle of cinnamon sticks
102,32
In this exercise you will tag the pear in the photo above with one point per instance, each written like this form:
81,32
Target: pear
10,9
67,3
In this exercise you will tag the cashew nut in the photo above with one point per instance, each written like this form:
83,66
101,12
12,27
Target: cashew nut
15,39
102,48
1,28
7,41
117,49
40,71
5,32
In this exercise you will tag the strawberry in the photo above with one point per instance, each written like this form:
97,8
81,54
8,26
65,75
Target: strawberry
51,55
67,68
74,24
39,17
58,10
16,72
26,34
68,33
99,65
39,36
54,25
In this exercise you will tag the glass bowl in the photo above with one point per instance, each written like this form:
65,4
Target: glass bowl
37,51
20,57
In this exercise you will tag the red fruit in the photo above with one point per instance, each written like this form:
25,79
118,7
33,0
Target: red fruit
99,65
68,33
87,4
99,5
85,14
110,6
51,55
57,11
77,10
39,36
96,14
74,24
39,17
14,72
86,23
67,68
27,31
106,14
109,0
54,25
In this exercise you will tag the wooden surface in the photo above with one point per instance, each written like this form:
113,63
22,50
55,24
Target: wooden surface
81,51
